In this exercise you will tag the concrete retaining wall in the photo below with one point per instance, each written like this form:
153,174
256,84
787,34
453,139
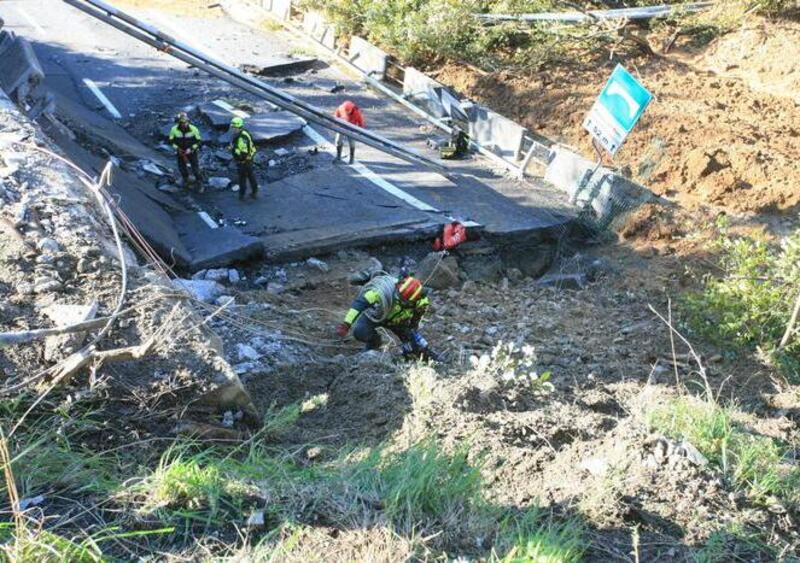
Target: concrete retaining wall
368,57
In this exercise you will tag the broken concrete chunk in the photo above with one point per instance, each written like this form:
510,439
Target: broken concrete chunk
48,245
247,352
46,286
219,182
202,290
319,265
227,419
438,271
283,152
201,275
151,168
217,274
225,156
64,315
256,519
692,454
275,288
233,276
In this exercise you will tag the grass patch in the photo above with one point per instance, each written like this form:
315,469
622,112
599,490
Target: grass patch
733,543
757,464
533,535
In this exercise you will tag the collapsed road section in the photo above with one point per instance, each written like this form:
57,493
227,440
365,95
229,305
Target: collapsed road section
309,205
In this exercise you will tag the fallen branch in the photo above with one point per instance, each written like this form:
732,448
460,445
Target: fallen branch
25,336
89,355
702,370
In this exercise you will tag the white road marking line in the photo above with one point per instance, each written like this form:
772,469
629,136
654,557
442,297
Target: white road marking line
372,176
102,97
227,107
27,17
208,220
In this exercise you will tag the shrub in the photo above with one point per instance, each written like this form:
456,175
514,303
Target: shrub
750,304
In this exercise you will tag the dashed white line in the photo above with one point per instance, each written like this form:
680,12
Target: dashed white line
28,18
208,220
102,97
372,176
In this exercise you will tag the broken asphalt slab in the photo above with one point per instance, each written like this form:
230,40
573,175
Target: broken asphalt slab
281,66
324,209
268,126
105,132
177,234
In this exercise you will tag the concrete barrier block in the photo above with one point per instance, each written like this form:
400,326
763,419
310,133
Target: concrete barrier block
7,39
368,57
315,24
20,71
495,132
425,92
282,9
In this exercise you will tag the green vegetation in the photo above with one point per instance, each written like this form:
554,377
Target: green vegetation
420,32
534,536
170,496
734,544
750,303
757,464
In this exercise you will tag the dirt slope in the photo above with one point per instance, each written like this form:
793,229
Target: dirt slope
723,130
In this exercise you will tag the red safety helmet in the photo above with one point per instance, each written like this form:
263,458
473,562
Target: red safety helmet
409,289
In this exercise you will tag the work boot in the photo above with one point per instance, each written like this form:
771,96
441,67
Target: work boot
184,182
253,194
352,156
338,158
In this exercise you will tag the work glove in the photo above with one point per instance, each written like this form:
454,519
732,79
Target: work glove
188,151
342,329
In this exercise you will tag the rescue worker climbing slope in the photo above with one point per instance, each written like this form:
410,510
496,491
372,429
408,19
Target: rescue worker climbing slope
185,138
350,113
243,150
395,304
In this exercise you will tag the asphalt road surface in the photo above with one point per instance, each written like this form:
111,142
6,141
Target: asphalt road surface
306,201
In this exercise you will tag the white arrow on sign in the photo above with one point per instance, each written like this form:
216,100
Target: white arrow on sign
616,89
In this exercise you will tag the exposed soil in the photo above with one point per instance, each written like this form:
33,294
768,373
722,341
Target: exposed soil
735,144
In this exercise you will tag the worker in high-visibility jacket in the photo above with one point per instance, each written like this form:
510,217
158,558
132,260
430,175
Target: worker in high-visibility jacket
185,138
243,150
397,304
350,113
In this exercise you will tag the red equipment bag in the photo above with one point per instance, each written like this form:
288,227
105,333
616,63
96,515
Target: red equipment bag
453,234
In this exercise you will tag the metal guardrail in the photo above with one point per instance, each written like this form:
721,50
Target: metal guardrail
590,15
163,42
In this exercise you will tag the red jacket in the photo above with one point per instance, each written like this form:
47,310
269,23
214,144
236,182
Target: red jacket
350,113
